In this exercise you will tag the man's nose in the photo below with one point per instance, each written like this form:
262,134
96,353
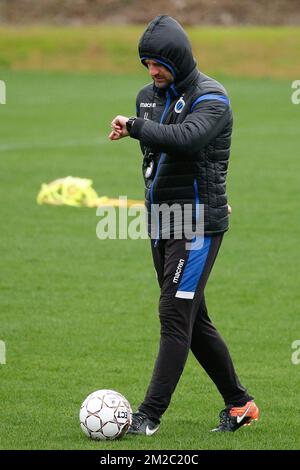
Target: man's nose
153,70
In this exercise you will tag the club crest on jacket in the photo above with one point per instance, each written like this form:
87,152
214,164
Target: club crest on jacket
180,104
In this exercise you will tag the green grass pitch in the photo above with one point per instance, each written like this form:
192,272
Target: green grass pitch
79,314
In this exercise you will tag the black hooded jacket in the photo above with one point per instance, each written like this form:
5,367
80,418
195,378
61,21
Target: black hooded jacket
184,130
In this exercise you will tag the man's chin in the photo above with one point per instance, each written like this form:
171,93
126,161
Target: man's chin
160,84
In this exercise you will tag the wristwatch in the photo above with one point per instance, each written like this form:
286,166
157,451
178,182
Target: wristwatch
130,122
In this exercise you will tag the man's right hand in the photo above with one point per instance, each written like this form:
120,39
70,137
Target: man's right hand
119,129
114,136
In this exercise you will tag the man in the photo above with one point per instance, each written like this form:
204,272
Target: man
184,125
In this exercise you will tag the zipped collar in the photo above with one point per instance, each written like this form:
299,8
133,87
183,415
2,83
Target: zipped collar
179,88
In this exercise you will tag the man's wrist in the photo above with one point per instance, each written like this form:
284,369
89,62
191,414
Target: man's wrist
130,123
136,128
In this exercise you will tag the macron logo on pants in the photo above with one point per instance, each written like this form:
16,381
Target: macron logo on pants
178,271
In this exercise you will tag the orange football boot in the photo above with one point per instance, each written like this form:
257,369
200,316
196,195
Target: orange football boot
233,417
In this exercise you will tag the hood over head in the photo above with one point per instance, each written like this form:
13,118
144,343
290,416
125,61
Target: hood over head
165,40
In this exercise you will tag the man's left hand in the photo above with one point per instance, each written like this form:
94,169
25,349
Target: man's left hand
119,129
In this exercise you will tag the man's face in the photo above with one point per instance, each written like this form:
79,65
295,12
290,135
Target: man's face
161,76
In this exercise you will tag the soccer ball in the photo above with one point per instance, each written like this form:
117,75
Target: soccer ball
105,414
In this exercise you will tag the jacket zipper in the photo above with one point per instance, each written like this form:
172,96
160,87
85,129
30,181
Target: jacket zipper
161,157
197,201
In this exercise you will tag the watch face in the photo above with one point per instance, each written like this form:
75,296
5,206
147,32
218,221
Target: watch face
129,124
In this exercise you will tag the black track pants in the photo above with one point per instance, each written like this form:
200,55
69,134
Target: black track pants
182,275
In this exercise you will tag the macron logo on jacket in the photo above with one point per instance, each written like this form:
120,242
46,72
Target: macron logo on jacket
147,105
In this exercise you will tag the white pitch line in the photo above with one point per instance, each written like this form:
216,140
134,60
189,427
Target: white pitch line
57,144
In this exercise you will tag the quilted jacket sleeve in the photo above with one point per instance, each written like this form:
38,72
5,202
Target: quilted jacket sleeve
206,121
